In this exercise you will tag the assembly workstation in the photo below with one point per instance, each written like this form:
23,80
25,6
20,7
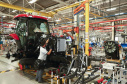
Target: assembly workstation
63,42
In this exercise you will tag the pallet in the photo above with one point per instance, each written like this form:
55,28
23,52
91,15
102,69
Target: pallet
113,60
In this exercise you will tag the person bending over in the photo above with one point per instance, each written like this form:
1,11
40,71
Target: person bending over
42,56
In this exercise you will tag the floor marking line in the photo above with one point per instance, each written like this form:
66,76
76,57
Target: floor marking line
3,72
9,70
12,69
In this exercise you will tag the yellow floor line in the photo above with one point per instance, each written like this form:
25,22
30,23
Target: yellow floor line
9,70
2,72
12,70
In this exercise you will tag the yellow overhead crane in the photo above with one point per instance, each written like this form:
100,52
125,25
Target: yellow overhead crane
66,7
6,5
48,14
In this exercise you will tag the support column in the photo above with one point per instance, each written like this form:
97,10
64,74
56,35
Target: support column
113,31
87,27
75,25
75,20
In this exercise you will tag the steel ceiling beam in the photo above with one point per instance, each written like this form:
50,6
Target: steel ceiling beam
82,8
11,3
23,9
98,15
49,14
61,2
67,7
55,6
40,5
117,5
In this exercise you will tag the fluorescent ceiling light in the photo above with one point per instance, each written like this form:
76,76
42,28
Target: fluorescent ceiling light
119,13
4,16
14,11
49,17
111,9
57,20
32,1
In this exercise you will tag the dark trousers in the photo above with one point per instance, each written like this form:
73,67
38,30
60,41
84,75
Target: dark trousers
39,75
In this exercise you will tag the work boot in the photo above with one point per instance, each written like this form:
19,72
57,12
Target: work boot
40,81
36,79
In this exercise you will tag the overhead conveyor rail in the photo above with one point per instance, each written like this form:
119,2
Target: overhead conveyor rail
98,23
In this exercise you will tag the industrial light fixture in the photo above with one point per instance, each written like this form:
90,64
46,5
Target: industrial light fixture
32,1
111,9
119,13
14,11
57,20
4,16
49,17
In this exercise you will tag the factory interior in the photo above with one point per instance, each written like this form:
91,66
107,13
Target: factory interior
63,42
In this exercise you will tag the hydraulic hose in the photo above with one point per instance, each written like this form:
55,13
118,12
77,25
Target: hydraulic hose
94,71
81,75
75,73
70,76
90,79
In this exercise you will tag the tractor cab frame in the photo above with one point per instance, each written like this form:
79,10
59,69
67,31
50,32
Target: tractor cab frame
30,32
28,26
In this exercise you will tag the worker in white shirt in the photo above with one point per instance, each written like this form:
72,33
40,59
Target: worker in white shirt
42,56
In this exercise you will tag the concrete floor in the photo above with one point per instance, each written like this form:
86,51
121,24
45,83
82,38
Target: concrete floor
16,76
